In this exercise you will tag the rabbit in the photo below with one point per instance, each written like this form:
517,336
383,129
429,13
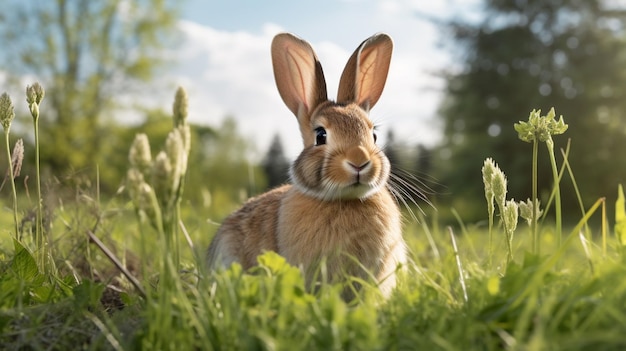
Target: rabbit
339,208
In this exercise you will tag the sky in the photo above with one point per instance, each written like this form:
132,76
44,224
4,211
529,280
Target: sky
223,61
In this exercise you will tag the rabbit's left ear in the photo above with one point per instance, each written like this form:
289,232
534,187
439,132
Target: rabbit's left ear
298,74
365,74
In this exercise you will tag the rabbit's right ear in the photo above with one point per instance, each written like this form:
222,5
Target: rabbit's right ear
298,75
364,76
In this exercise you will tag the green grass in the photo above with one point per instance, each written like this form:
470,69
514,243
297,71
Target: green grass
534,304
492,291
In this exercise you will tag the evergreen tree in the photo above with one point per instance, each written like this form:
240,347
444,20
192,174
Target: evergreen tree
423,163
275,164
535,54
391,151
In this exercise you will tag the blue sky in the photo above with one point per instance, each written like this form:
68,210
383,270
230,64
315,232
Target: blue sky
224,60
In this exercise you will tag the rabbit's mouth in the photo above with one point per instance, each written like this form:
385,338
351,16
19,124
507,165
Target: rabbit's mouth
357,190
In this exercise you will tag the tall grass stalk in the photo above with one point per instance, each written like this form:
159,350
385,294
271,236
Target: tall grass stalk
39,229
541,128
12,181
553,259
7,114
557,188
459,265
570,172
488,173
34,96
536,245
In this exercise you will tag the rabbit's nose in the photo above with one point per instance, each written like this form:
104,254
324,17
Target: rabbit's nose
360,167
357,158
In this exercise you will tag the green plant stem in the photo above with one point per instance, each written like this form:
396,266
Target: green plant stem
550,262
533,223
557,198
565,154
490,210
9,158
39,225
509,247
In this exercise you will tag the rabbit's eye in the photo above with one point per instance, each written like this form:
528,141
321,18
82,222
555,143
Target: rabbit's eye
320,136
375,137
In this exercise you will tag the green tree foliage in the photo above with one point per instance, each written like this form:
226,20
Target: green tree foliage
224,170
275,163
90,55
391,150
535,54
221,173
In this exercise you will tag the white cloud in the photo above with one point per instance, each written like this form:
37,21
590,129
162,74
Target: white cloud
230,73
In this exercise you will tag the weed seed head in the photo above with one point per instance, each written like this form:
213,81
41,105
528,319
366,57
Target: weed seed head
510,215
7,111
180,107
175,151
162,177
17,157
526,210
488,171
539,127
140,156
34,95
146,203
499,185
134,179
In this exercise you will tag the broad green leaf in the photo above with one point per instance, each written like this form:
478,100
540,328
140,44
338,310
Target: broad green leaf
87,294
24,264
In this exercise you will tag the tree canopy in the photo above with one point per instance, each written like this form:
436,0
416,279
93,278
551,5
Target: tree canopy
534,54
275,164
90,56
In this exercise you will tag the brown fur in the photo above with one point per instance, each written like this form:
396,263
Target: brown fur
339,209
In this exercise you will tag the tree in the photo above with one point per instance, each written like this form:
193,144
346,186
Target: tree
423,162
227,167
530,54
391,150
88,55
275,163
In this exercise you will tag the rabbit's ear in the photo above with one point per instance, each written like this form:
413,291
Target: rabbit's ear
363,79
298,74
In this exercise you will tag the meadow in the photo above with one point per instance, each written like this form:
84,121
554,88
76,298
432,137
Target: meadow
127,272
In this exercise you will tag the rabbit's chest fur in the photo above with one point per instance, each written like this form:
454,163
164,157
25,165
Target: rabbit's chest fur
347,235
